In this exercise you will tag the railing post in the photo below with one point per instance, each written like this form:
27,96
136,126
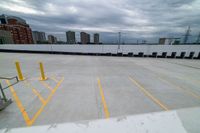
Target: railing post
3,94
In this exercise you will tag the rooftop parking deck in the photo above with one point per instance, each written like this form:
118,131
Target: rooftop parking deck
95,87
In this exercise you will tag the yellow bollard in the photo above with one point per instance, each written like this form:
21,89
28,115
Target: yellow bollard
42,72
20,75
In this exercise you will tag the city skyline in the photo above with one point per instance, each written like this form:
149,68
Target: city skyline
136,20
22,34
40,37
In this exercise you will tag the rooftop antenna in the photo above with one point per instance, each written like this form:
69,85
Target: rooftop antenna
198,38
187,34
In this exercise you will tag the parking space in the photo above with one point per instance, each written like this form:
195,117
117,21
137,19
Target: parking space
95,87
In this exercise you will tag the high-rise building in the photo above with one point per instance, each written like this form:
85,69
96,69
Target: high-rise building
52,39
162,40
85,38
96,38
20,31
88,38
169,41
38,37
71,37
5,37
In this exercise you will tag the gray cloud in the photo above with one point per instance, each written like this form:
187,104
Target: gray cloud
137,20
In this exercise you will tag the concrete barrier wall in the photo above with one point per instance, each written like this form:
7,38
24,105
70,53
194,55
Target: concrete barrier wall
176,121
147,50
175,48
78,48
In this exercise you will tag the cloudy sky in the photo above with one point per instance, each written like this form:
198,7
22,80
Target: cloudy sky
135,19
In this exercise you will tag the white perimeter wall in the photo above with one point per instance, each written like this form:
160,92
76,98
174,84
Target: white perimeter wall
113,49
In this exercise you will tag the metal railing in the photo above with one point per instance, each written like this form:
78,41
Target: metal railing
17,80
4,102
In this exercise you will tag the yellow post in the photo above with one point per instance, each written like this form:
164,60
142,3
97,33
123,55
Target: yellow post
20,75
42,72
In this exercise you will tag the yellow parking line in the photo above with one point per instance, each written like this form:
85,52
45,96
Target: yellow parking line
189,92
19,104
147,93
188,79
54,79
34,91
46,85
28,121
107,114
38,95
46,102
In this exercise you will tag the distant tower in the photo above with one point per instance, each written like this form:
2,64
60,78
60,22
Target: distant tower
187,34
96,38
198,38
85,38
71,37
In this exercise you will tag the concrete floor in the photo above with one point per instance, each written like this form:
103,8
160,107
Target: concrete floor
95,87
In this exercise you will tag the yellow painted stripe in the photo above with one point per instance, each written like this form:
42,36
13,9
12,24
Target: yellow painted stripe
46,102
105,107
38,95
147,93
189,79
54,79
19,104
188,92
46,85
34,91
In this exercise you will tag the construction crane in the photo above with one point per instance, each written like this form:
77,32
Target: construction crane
187,34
